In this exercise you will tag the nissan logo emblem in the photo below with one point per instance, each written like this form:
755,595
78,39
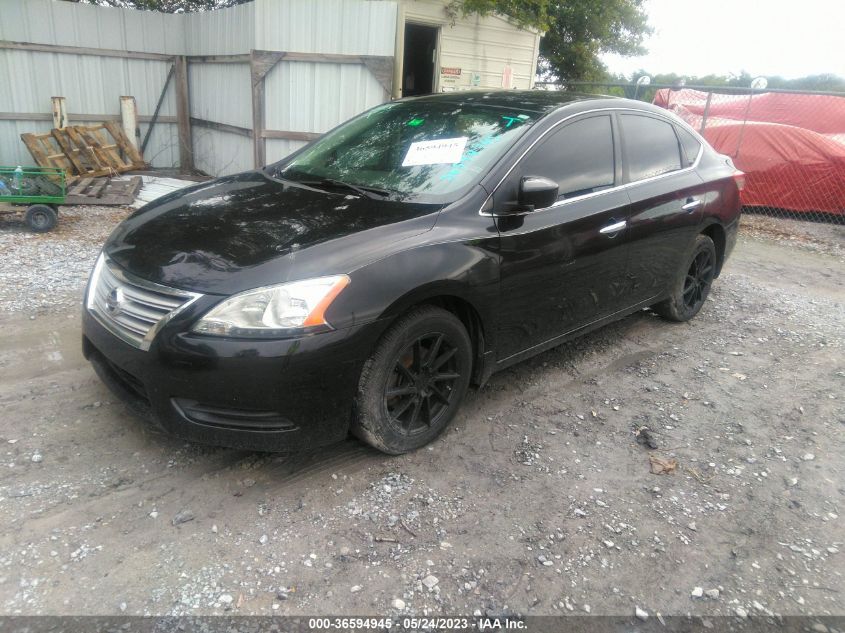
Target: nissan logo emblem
114,301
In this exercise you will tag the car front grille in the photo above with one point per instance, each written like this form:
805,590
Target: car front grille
132,309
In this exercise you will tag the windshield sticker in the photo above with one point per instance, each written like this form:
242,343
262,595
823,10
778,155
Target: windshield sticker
441,151
520,118
475,149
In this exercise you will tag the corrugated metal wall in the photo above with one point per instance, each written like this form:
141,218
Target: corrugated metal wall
221,92
299,96
220,32
305,97
315,97
92,85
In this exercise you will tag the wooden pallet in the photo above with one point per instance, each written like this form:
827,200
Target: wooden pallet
104,191
46,152
89,151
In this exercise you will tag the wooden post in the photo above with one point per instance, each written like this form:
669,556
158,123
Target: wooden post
259,143
260,63
59,112
183,115
398,52
129,120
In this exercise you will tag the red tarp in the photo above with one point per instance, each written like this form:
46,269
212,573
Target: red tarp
792,147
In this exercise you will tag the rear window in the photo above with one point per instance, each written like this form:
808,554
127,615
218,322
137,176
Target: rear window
651,147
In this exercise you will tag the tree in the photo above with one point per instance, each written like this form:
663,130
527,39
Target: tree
576,31
166,6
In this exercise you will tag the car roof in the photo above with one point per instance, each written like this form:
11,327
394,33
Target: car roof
538,101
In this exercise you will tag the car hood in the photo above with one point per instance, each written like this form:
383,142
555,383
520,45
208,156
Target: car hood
249,230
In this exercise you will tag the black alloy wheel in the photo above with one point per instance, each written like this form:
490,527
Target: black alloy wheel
692,283
421,386
414,382
698,280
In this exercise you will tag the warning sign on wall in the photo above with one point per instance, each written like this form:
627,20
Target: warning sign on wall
449,78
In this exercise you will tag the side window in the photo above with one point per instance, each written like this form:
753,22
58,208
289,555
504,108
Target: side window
651,147
689,143
579,157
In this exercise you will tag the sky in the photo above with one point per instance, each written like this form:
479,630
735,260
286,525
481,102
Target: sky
790,38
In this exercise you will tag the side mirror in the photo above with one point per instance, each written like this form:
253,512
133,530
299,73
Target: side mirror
537,193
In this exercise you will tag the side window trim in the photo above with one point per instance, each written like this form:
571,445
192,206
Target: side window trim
622,184
618,167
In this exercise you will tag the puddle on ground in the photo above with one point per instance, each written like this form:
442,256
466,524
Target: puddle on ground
40,347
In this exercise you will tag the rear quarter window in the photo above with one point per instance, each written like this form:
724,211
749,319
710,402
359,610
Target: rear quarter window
690,145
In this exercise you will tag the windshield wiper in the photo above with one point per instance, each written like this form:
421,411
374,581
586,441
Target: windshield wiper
372,193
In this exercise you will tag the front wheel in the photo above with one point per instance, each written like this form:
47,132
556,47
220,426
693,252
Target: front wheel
412,385
692,284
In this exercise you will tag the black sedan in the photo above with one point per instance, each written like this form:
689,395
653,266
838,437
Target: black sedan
366,281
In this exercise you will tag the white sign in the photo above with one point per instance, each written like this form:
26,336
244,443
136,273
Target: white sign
444,150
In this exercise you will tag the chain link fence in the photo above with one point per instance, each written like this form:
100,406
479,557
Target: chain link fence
790,144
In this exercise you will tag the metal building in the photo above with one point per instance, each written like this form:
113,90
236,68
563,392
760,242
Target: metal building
243,86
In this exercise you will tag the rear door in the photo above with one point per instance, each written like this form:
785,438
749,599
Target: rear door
667,197
563,266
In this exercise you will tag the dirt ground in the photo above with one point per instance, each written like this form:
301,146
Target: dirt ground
538,500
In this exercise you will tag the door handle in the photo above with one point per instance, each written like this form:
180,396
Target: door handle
612,229
692,204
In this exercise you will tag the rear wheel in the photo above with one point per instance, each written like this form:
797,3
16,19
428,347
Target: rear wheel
692,284
40,218
412,385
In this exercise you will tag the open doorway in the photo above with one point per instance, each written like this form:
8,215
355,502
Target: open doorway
418,60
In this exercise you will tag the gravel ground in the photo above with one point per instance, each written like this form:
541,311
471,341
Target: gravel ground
542,498
816,237
46,272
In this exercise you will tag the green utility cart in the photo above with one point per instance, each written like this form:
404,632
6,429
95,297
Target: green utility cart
40,189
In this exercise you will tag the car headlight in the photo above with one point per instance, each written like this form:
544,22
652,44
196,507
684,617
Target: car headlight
274,311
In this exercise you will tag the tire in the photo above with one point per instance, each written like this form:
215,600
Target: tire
692,283
425,359
40,218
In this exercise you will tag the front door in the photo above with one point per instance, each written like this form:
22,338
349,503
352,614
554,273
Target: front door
563,267
419,59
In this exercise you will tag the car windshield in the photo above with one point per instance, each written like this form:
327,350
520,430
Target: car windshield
417,150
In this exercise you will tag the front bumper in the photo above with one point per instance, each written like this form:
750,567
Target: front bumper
249,394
